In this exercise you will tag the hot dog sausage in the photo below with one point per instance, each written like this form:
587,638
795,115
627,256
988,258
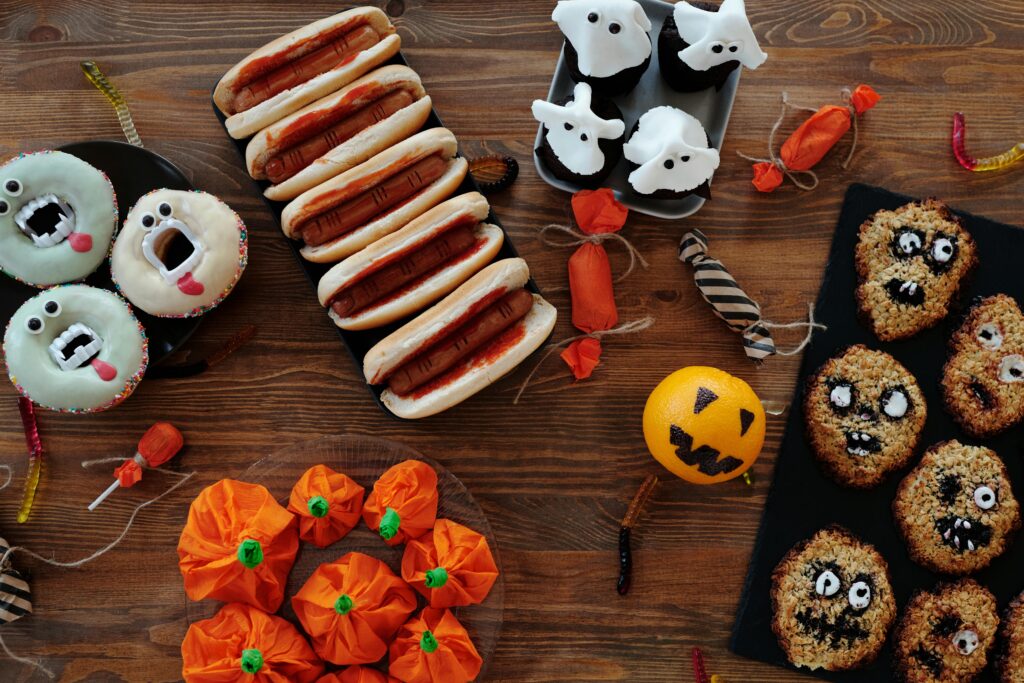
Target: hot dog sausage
409,267
304,68
443,356
291,161
348,216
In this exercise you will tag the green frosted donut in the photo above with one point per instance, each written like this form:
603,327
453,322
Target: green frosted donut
57,217
75,348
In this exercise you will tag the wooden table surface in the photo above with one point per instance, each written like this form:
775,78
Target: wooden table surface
555,473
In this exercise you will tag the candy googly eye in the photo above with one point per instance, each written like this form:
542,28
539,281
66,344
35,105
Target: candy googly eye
860,595
908,243
717,48
942,250
826,584
5,208
894,403
13,187
593,17
164,210
34,325
989,336
1011,369
966,642
984,498
51,308
614,28
841,395
147,220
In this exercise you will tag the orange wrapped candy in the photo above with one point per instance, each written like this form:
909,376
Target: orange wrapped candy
403,503
433,647
238,545
451,567
357,674
242,643
327,503
590,275
352,607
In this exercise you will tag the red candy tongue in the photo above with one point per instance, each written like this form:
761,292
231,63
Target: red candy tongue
106,371
189,286
80,241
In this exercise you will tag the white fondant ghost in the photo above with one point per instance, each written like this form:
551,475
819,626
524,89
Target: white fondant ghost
672,150
609,36
717,37
574,130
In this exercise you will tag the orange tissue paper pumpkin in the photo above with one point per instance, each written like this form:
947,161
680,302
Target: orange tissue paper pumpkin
242,643
403,503
356,674
351,608
327,503
433,647
451,566
238,545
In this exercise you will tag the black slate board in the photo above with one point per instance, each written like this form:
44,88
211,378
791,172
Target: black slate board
133,171
802,500
359,342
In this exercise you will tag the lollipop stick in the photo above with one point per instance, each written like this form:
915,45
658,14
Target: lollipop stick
103,496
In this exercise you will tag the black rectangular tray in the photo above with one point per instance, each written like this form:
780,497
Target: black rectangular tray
359,342
802,500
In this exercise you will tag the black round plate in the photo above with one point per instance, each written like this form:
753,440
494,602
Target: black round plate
134,171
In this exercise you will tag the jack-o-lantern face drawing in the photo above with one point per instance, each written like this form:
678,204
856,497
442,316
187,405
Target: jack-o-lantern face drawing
832,602
956,509
704,425
983,381
910,264
864,414
944,635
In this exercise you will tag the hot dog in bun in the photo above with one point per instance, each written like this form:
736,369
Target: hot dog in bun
358,207
338,132
475,336
413,267
303,66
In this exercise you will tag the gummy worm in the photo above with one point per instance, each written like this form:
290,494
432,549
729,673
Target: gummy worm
124,117
35,457
998,162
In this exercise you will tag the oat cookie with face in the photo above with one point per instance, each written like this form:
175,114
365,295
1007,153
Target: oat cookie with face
832,602
864,413
956,510
983,380
945,634
911,263
1011,655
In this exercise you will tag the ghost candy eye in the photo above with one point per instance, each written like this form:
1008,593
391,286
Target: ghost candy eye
51,308
13,187
669,164
717,48
826,584
860,595
614,28
733,48
593,17
984,497
34,325
568,126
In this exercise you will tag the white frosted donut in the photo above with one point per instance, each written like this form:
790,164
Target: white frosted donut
179,253
75,348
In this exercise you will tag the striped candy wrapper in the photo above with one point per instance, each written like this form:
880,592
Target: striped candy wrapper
15,597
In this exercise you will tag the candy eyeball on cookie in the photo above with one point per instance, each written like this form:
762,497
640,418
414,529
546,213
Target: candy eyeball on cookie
75,348
57,217
179,253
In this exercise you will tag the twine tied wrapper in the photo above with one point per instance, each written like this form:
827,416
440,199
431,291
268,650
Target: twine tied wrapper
730,303
15,596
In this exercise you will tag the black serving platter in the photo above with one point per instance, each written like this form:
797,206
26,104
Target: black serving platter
134,171
802,500
359,343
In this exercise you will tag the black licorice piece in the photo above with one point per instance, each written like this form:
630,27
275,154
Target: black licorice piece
494,173
625,561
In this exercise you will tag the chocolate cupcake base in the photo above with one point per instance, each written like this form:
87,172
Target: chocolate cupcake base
611,148
675,72
609,86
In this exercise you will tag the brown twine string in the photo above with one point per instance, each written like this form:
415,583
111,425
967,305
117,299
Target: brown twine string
28,662
847,95
10,475
810,325
625,328
582,238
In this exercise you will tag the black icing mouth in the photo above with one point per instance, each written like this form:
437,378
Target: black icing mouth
930,660
862,444
983,395
905,292
963,534
47,220
705,458
844,630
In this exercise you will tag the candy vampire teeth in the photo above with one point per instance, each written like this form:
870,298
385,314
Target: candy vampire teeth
862,443
905,292
47,220
963,534
75,347
160,238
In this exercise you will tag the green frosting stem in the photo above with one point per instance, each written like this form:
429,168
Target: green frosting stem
437,577
250,553
428,643
389,524
343,605
318,506
252,661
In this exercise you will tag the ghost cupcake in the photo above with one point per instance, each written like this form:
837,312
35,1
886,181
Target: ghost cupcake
700,44
606,42
670,155
582,138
